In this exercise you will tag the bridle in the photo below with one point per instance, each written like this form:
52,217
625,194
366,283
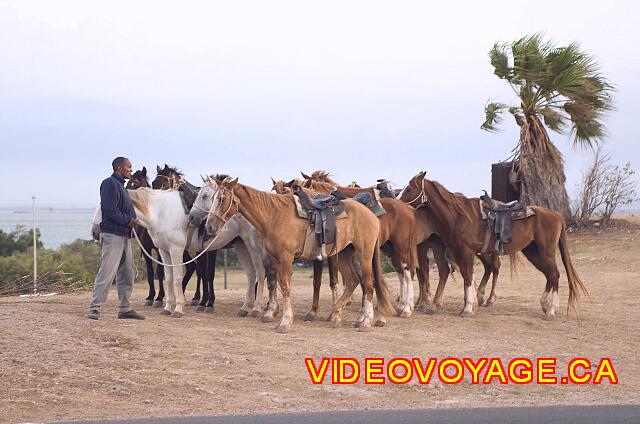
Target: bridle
174,181
422,196
234,201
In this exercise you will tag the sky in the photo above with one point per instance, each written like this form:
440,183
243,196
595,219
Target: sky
260,89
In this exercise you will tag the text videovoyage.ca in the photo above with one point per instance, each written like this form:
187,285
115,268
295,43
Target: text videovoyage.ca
539,370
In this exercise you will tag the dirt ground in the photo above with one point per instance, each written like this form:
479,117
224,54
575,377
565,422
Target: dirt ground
57,364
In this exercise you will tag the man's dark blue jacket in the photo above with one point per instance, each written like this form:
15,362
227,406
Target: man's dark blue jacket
117,209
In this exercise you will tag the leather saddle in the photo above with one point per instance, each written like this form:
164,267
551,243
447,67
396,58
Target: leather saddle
323,210
499,219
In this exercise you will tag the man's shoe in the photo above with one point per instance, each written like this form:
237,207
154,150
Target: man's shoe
94,314
130,315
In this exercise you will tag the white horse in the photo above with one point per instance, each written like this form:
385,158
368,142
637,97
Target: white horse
162,214
239,226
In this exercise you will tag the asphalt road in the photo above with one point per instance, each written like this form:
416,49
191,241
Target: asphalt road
530,415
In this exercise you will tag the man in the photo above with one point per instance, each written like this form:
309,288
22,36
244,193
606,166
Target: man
118,217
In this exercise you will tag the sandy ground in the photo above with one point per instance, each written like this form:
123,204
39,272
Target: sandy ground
57,364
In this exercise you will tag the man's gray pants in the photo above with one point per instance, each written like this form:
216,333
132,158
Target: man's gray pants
116,261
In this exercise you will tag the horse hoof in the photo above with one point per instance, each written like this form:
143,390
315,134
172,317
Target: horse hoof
364,327
165,312
490,302
243,313
255,313
335,323
380,323
200,308
208,309
158,304
148,302
465,314
267,318
405,313
358,323
195,302
310,317
177,314
548,317
283,329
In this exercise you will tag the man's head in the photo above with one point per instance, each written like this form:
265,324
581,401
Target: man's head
122,167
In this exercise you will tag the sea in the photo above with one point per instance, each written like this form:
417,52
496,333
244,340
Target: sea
58,225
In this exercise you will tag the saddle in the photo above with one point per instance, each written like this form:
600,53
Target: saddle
322,210
499,219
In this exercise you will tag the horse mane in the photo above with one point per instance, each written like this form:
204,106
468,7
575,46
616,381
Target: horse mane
457,201
139,198
173,169
322,176
266,200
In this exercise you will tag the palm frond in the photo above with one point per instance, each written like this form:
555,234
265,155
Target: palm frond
553,119
499,58
493,116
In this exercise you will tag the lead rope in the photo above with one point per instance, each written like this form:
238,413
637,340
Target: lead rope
162,263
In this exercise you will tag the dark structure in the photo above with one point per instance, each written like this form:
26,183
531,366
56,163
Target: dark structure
501,187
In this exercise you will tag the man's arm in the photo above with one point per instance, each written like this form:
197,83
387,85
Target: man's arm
109,204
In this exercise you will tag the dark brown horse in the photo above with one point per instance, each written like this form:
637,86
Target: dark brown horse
137,180
459,223
204,267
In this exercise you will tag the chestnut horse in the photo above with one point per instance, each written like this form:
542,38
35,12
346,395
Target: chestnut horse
428,240
397,230
284,234
459,223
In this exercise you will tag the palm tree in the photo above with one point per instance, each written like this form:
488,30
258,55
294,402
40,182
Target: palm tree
559,88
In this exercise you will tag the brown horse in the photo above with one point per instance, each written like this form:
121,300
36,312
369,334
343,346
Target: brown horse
427,239
396,238
284,234
459,222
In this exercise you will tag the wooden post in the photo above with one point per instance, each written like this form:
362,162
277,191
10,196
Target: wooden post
224,254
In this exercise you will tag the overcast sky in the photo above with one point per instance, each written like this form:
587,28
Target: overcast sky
256,89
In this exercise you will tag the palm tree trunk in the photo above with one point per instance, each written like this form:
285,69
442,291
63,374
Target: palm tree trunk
540,169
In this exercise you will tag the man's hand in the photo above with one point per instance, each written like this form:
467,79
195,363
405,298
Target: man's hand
133,222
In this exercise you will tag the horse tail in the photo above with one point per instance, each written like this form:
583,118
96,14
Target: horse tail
572,275
515,260
413,262
382,290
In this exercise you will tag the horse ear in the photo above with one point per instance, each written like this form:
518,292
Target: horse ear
273,181
144,171
291,183
421,175
305,176
205,179
231,183
166,166
158,169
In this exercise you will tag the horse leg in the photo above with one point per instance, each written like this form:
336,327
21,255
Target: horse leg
423,277
465,261
495,265
201,268
549,301
152,289
402,298
362,265
190,269
332,264
317,281
250,270
272,305
284,269
486,263
439,254
160,273
210,276
350,283
168,272
176,254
